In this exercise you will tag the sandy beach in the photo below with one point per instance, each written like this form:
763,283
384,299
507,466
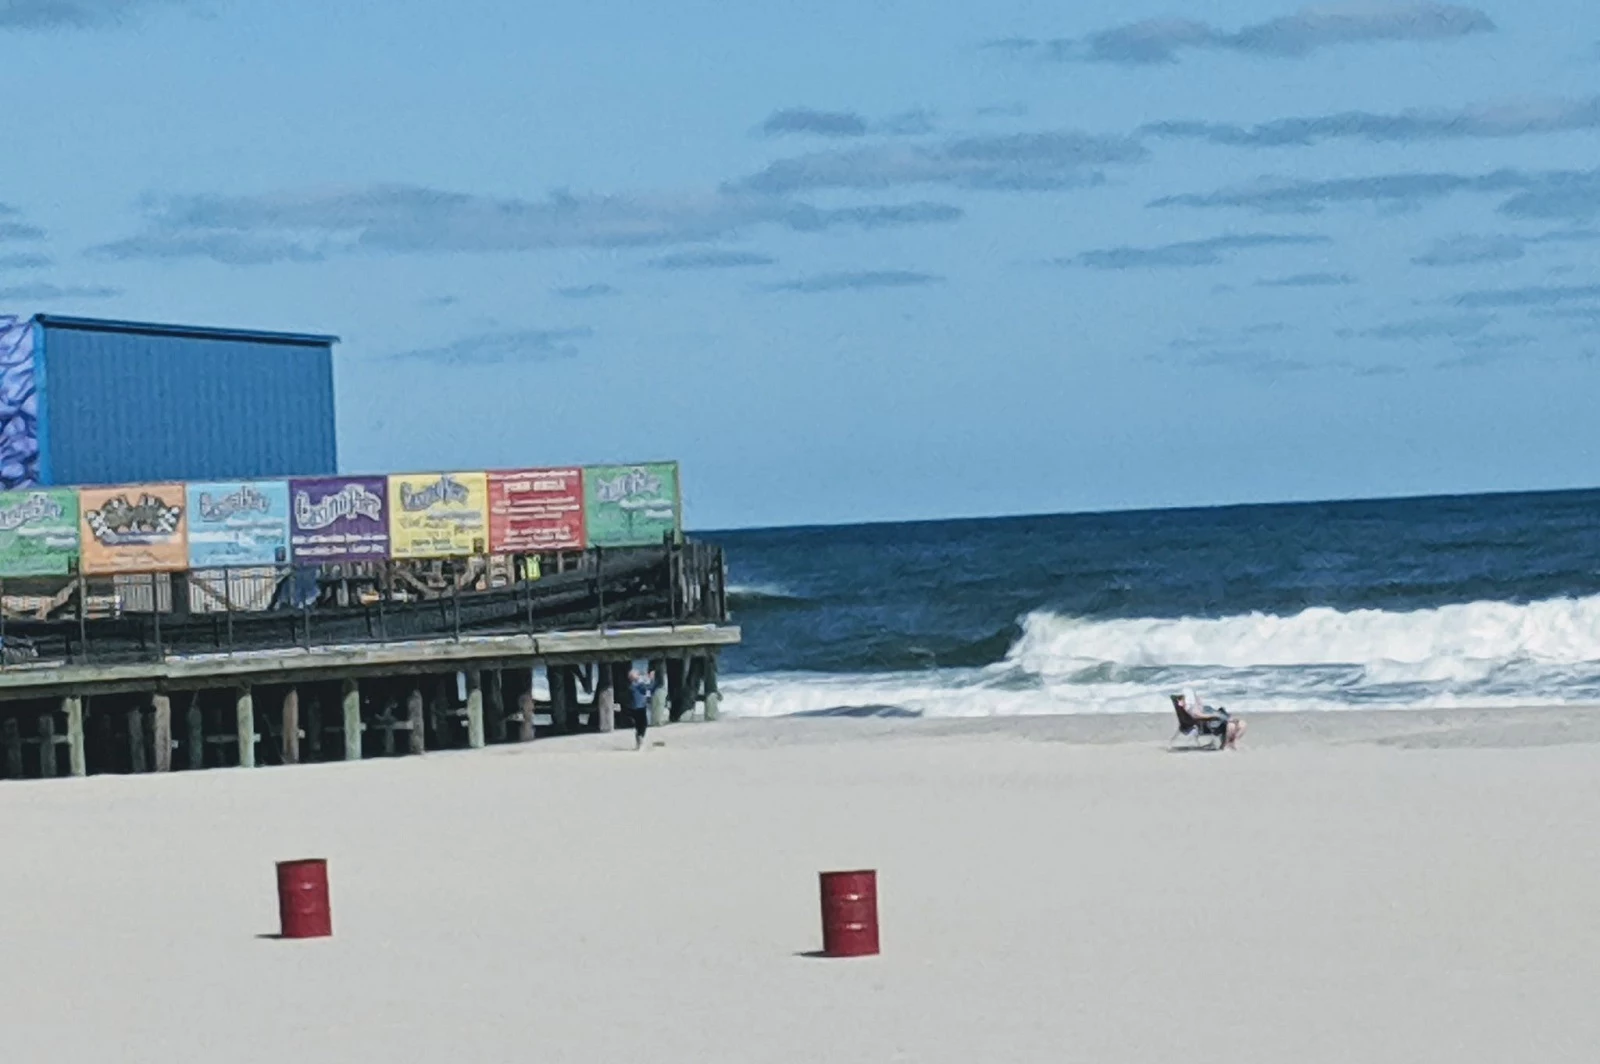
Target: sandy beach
1353,886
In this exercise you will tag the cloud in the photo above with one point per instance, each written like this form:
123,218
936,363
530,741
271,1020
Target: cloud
1443,327
68,14
1471,251
1161,40
1532,296
229,248
24,261
587,291
1308,280
1570,195
492,349
877,217
808,122
1479,121
304,225
1186,253
1266,363
1016,161
856,281
42,292
712,259
11,229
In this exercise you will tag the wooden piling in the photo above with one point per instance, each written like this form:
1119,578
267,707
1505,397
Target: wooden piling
525,708
414,711
245,720
713,694
658,700
47,744
605,699
161,733
136,758
494,699
314,728
77,755
195,719
13,734
474,709
352,720
290,737
560,706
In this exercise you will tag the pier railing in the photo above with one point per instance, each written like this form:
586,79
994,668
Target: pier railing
132,617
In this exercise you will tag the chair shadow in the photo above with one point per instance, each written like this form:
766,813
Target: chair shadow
812,954
1194,749
274,936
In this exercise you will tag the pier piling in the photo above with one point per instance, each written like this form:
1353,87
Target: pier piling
47,744
713,695
136,759
290,736
245,719
77,756
658,700
13,735
605,699
474,709
352,720
414,714
495,705
195,719
161,733
560,706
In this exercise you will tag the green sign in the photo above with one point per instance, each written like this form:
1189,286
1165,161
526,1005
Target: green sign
631,505
38,532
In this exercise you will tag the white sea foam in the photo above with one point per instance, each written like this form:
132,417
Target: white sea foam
1477,654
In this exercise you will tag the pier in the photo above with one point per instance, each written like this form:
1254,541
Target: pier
382,660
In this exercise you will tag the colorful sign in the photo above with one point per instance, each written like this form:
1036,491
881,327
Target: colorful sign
38,532
238,523
136,528
437,515
339,519
535,510
631,506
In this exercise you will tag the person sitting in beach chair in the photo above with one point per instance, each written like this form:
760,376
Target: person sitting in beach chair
1198,721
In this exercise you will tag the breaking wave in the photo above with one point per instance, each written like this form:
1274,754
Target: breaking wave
1479,654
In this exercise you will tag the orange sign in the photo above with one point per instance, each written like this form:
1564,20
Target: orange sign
134,528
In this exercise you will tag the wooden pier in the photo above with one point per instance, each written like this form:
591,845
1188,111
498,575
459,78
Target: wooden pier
343,703
403,670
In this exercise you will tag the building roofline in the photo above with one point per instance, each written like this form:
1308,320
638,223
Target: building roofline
198,332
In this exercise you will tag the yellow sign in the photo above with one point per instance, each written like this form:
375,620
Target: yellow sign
438,515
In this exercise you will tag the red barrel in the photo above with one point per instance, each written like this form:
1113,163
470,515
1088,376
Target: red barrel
849,914
303,899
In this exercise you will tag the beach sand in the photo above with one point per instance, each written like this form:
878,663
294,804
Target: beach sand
1354,886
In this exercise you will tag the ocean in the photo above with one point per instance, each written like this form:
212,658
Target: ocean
1486,600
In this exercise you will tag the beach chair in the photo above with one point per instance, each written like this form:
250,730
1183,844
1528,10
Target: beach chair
1193,730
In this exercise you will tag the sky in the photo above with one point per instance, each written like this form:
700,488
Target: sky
855,261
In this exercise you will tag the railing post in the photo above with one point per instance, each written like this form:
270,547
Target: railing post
83,617
155,611
600,588
455,603
227,604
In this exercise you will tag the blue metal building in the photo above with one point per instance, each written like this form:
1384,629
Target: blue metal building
85,401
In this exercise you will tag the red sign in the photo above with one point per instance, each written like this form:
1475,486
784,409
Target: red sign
535,510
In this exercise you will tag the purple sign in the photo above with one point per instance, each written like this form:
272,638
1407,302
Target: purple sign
338,519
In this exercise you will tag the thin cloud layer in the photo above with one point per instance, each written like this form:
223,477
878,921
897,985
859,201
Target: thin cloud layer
1016,161
1552,195
13,228
1308,280
1187,253
857,281
1531,296
711,259
70,14
1478,121
24,261
805,121
588,291
305,225
45,293
492,349
1163,40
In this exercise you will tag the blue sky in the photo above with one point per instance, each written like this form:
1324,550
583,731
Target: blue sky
855,261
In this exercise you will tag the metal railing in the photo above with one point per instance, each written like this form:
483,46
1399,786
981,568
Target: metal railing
151,616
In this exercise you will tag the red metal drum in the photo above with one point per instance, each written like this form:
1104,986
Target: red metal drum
303,899
849,914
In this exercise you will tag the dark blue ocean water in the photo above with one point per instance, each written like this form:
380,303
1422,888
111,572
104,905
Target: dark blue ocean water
1480,600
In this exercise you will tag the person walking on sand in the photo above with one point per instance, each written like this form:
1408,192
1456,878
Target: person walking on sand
640,692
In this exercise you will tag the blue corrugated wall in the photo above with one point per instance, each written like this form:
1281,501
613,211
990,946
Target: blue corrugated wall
125,407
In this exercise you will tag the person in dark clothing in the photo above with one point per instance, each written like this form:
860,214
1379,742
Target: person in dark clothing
640,692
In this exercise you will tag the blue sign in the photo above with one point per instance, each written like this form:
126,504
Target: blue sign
233,524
